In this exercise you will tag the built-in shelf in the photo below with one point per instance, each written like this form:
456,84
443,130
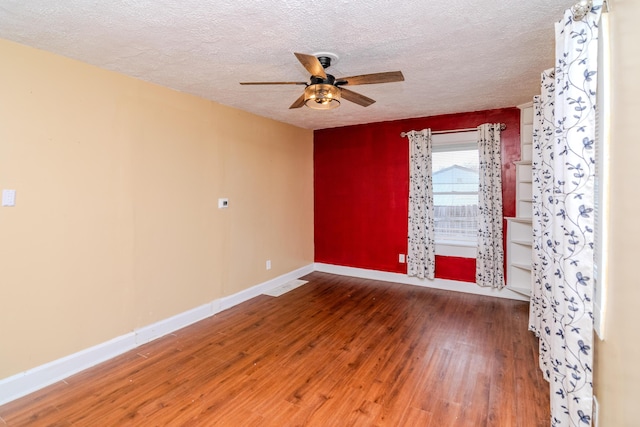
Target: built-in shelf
521,242
521,290
526,267
519,228
524,220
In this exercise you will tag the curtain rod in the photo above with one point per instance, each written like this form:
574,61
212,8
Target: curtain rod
437,132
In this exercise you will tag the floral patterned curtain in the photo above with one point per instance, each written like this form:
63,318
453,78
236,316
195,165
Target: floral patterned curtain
490,258
421,252
561,312
540,314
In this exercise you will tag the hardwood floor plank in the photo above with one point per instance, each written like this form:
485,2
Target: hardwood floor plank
336,351
417,417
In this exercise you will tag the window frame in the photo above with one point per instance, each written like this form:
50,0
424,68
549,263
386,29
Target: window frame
455,141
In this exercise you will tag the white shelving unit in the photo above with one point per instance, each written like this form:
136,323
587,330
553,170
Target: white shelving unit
519,228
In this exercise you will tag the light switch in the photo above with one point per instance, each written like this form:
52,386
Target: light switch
8,197
223,203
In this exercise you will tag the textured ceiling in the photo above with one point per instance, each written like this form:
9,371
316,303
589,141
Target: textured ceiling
456,55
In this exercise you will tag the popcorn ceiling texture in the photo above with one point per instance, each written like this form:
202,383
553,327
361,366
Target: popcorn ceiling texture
456,55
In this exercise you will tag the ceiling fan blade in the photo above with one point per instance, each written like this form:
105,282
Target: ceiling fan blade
298,102
311,63
366,79
273,83
355,97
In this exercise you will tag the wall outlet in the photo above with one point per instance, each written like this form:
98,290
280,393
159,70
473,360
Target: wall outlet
268,264
223,203
401,258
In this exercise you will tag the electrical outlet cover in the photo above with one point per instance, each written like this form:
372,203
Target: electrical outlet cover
8,197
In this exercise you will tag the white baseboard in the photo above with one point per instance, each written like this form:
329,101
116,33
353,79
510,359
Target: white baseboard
41,376
449,285
247,294
26,382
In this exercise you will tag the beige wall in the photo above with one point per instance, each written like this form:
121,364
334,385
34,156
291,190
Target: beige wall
116,224
617,366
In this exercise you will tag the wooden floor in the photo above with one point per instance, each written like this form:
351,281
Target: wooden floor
337,351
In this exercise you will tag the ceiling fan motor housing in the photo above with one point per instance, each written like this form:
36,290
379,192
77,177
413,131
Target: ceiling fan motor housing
330,80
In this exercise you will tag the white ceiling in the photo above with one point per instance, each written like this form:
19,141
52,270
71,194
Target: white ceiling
456,55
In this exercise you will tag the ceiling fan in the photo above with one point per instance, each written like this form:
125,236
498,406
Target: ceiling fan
324,91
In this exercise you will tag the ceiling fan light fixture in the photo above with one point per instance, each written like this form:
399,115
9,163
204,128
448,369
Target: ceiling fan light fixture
322,96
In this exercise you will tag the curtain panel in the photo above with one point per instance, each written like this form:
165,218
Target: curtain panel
540,309
561,311
490,254
421,252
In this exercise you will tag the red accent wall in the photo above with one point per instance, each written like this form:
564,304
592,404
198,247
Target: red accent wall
361,190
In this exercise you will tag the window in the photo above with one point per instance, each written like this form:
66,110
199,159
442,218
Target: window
455,188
